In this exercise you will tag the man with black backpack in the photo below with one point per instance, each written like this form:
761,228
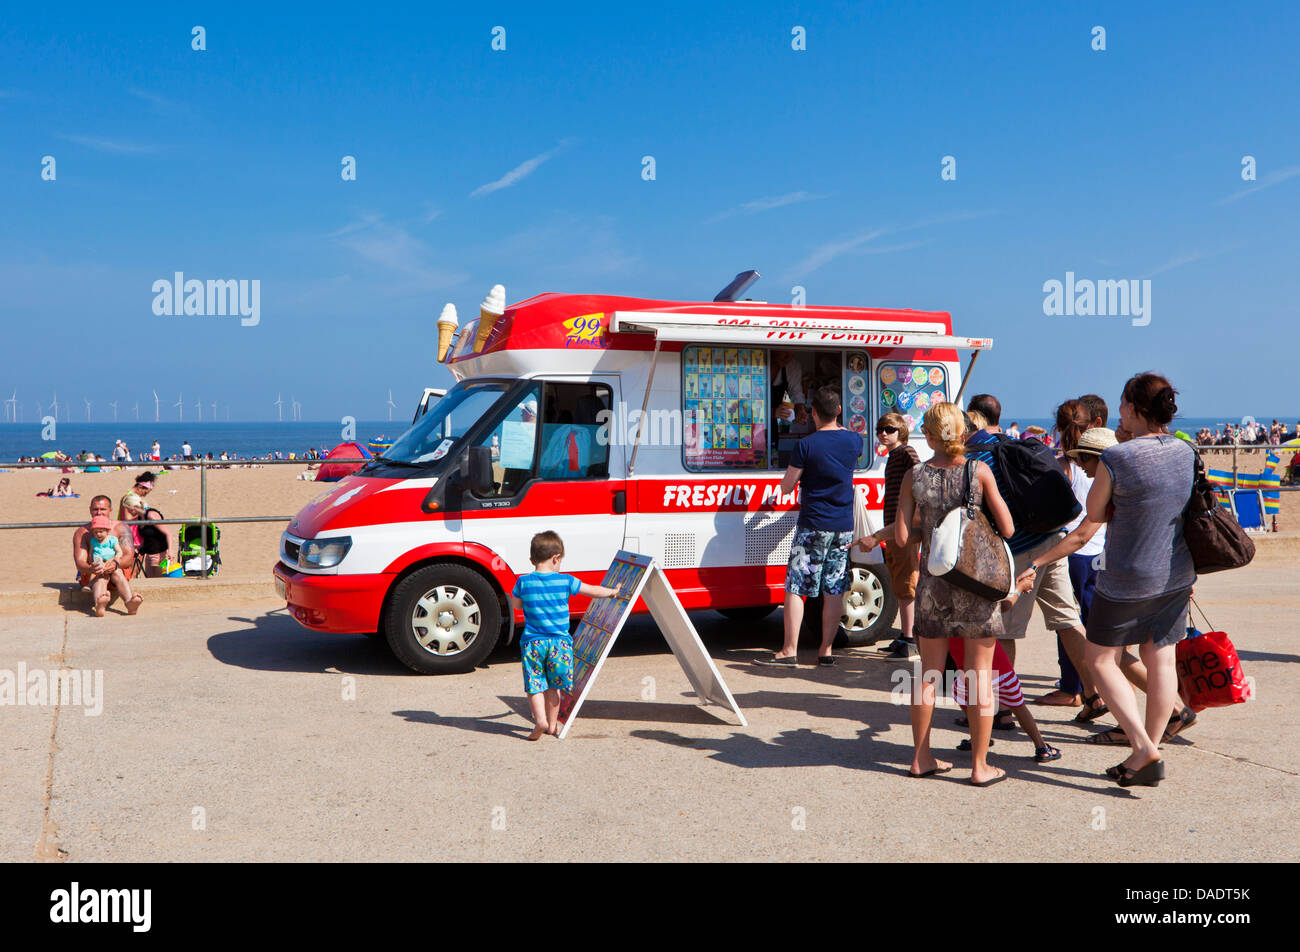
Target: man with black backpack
1041,503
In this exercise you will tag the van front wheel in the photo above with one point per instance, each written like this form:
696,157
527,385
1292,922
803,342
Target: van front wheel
443,619
869,605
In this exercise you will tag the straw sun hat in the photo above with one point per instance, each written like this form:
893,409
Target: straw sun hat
1094,442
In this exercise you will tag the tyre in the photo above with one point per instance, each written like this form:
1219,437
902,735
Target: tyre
752,613
869,605
443,619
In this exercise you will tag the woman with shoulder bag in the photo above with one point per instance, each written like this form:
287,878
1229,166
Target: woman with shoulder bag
944,610
1146,577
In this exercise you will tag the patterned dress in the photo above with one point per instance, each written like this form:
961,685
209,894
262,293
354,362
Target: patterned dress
944,610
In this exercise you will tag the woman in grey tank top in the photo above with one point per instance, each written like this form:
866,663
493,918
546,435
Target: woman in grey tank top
1146,577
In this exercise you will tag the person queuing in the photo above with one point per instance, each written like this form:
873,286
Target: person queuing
821,465
943,610
1144,586
903,564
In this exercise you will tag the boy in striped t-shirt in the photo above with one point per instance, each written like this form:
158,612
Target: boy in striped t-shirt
545,646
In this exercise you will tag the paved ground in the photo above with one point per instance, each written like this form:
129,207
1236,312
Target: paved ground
225,734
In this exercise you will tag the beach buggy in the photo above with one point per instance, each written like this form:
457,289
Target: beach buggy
659,427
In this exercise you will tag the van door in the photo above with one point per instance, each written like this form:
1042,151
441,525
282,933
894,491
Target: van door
554,467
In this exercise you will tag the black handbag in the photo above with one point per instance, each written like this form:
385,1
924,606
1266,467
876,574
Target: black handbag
1215,539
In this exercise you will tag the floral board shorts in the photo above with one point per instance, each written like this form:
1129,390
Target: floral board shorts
548,663
818,563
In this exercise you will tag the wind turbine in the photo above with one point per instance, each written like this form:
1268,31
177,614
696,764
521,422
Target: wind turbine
55,406
180,407
87,409
297,407
155,406
137,411
279,406
114,406
391,405
214,411
11,408
199,404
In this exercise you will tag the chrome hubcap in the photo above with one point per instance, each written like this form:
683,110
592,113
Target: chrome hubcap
446,620
864,602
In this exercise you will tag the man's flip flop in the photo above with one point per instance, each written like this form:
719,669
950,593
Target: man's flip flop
928,773
988,783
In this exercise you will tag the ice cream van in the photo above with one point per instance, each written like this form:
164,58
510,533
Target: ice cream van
660,427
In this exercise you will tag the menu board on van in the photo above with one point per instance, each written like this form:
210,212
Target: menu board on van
725,394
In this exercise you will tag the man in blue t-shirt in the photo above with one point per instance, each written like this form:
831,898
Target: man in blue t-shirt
1052,591
822,467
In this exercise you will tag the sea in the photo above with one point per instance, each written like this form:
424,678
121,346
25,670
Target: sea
240,439
257,439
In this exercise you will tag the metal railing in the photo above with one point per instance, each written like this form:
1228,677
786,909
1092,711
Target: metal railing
170,466
1264,448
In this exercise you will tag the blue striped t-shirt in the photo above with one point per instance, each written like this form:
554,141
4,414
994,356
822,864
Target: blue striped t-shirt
546,604
1022,541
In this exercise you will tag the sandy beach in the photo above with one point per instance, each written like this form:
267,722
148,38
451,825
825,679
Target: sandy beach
247,550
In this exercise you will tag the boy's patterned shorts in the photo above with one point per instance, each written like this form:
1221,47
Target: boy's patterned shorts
818,563
548,663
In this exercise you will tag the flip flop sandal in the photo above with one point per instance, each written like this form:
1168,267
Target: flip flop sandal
1004,721
1047,753
989,783
1093,708
927,773
1111,738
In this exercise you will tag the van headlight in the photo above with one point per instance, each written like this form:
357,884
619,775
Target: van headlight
323,553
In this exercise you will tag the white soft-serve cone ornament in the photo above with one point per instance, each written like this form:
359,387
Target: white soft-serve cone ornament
493,306
447,324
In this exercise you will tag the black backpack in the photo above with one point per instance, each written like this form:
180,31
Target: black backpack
153,541
1032,484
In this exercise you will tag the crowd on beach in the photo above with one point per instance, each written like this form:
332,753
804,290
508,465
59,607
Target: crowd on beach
93,462
1256,434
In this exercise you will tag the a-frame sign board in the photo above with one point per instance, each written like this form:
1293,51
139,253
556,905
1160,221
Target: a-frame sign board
636,576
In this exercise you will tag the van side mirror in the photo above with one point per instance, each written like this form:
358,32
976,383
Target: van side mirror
481,483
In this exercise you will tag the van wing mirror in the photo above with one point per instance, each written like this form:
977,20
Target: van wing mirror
481,483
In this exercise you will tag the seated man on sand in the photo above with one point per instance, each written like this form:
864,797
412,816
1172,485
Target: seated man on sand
96,576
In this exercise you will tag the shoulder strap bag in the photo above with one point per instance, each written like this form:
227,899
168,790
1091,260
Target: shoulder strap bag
966,551
1216,540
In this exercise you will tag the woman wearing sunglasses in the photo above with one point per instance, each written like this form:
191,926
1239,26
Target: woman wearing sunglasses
903,562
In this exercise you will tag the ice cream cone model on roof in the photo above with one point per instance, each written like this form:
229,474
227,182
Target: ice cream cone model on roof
447,324
493,306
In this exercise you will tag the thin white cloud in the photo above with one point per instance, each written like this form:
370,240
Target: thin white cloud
395,250
519,172
115,146
1268,181
828,252
766,204
1181,260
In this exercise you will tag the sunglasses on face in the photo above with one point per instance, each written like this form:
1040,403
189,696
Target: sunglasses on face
886,429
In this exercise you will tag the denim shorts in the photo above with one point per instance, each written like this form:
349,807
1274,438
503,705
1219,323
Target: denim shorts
818,563
548,663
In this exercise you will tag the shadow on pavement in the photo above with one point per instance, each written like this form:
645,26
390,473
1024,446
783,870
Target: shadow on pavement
486,724
275,642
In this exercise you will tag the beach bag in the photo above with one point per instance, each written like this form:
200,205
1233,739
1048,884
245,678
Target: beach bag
861,529
1209,670
966,551
1032,484
1214,537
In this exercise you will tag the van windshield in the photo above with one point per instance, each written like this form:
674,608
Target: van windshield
436,433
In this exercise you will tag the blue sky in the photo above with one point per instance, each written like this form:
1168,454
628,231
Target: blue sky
820,168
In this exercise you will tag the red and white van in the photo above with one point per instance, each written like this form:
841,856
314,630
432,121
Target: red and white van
660,427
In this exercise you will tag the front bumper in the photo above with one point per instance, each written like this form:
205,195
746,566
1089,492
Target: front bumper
341,604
